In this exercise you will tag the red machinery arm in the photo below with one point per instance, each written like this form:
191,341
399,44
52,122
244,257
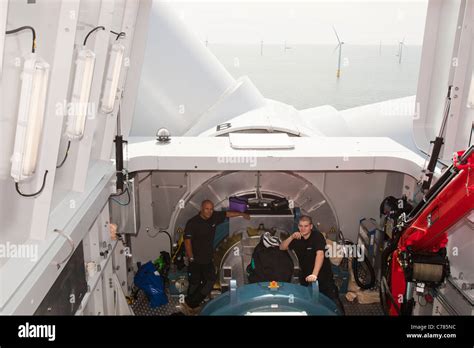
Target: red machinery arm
446,203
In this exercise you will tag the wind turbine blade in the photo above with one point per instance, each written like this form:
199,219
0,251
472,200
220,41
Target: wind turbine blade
335,49
335,32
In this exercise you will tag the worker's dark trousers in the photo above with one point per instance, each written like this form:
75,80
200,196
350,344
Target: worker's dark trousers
201,280
330,290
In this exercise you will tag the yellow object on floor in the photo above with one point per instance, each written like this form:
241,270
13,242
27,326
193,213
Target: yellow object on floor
351,296
363,296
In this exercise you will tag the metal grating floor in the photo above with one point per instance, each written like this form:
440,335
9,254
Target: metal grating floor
141,307
353,308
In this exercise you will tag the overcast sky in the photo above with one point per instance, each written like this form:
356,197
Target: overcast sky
305,22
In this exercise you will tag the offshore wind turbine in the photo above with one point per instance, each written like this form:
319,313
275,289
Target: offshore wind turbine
339,45
400,50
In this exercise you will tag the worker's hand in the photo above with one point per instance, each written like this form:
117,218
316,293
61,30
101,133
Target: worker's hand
296,235
246,216
311,278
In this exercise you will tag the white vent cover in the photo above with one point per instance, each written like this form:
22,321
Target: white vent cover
260,141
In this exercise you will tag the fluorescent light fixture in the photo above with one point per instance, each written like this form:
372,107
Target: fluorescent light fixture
470,97
77,111
112,78
34,84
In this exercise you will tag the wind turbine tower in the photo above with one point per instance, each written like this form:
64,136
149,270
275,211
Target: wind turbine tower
339,46
400,50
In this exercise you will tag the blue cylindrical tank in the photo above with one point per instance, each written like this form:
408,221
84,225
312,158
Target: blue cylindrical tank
271,299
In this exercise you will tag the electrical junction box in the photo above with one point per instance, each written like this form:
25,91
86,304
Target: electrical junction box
124,212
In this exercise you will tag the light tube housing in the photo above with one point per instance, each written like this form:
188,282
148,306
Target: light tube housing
112,79
78,108
470,96
34,85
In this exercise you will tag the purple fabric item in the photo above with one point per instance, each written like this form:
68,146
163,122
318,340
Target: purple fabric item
237,204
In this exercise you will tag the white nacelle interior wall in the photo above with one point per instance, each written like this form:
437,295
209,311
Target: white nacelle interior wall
460,251
109,257
15,211
86,178
446,60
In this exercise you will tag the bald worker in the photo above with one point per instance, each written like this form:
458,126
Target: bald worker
198,242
